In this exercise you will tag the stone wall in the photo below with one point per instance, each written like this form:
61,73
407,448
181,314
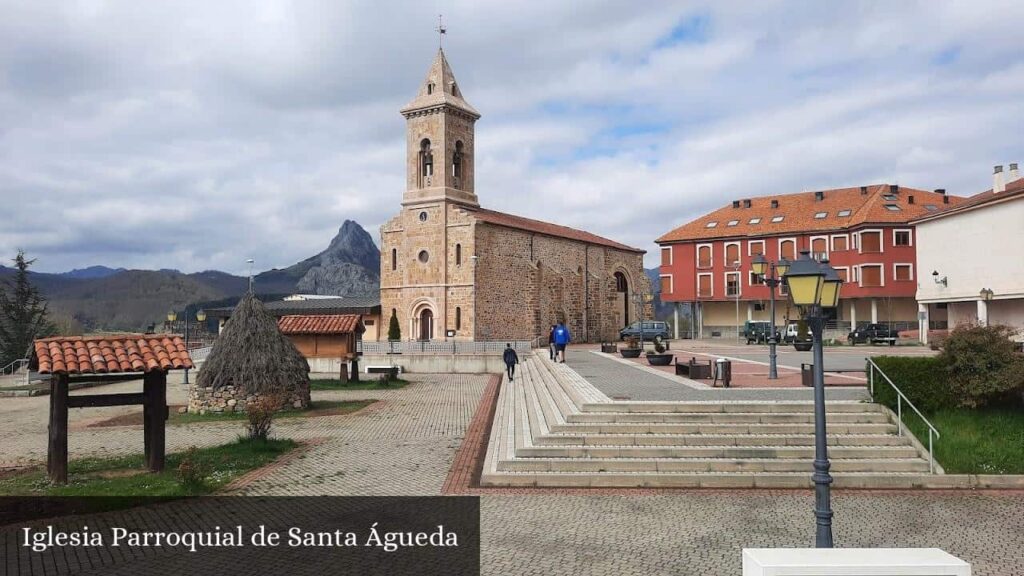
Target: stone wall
228,399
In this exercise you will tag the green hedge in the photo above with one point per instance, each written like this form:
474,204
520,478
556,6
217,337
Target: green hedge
924,380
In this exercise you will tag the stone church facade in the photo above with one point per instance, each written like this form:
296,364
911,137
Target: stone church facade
451,269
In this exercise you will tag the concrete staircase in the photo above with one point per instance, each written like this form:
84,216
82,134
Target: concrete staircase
553,428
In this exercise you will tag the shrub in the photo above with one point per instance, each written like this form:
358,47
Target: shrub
659,347
983,368
261,415
632,342
924,380
191,471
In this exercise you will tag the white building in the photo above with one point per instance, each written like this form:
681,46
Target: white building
971,260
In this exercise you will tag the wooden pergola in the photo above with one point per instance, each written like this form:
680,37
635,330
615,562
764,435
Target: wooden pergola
68,359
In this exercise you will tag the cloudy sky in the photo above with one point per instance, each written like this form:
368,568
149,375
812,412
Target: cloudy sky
196,134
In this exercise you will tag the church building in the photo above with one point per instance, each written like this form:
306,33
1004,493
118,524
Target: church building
452,270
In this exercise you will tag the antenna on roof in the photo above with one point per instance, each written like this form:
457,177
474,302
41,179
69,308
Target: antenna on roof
441,31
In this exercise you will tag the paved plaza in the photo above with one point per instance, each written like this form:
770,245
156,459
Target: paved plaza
406,443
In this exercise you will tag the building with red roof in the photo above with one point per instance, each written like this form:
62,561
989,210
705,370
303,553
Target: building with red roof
865,232
971,258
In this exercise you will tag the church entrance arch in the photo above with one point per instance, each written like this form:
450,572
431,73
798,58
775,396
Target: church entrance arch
622,299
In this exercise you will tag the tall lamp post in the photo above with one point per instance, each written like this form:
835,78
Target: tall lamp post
771,274
813,287
172,316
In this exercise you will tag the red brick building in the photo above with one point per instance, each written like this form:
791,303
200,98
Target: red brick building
863,231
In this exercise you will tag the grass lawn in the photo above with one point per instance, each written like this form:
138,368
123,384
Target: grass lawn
127,475
371,383
975,441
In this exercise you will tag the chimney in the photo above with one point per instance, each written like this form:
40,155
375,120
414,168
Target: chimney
819,196
863,190
746,203
735,203
894,188
1013,175
940,191
945,199
910,199
775,203
998,184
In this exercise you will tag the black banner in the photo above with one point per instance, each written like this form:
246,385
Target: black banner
240,535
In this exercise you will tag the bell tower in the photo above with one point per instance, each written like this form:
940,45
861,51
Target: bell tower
439,140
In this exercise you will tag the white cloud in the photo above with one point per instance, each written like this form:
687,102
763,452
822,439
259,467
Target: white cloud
195,135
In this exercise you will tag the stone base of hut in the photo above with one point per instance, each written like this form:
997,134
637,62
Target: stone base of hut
205,399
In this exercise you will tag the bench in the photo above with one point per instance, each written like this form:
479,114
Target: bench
379,369
694,369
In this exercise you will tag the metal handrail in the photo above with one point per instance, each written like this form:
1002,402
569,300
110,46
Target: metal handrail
14,366
900,397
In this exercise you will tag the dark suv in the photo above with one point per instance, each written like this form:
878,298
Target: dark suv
873,334
652,330
758,332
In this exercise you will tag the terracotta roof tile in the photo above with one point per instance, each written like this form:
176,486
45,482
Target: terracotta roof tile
540,227
799,211
320,324
1013,189
110,354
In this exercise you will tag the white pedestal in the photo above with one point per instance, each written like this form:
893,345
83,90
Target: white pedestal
852,562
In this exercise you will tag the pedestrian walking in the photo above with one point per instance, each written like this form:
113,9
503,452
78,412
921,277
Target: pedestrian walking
562,339
551,342
511,359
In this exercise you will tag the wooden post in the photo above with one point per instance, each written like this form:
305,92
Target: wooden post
57,451
155,390
355,368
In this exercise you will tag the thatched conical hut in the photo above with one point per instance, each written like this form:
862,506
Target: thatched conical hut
251,359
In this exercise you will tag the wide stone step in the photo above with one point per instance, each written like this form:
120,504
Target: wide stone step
893,480
732,428
751,465
728,452
727,418
728,407
596,439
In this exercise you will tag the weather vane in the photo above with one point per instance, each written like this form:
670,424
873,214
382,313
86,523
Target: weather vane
441,30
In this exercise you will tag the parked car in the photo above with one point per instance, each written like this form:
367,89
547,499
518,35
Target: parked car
758,331
873,334
652,331
792,330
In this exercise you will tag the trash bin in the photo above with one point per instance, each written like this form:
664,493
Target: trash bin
723,372
807,375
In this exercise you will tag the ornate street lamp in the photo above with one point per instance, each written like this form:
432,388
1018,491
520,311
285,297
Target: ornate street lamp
771,274
814,286
172,317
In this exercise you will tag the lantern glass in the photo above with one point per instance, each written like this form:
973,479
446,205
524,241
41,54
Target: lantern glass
759,265
830,293
172,316
201,316
805,290
782,267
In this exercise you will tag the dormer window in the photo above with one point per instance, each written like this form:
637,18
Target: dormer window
820,215
711,224
732,222
843,213
754,221
430,88
777,219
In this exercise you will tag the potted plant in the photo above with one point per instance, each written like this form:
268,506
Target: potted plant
659,357
609,347
632,349
803,341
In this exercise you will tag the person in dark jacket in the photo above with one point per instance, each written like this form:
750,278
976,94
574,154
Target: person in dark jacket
511,359
562,339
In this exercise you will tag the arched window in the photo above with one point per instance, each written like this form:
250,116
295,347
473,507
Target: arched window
430,88
458,254
620,282
458,318
457,160
394,259
426,161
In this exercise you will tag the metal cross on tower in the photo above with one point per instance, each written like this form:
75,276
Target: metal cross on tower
441,30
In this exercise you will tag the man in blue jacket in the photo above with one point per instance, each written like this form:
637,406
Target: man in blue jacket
562,339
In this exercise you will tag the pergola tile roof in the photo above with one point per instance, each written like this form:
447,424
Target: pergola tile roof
110,354
320,324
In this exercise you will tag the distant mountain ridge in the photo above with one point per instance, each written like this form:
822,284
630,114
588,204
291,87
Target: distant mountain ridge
103,298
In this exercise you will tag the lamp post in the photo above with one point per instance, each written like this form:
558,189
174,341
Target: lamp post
771,274
986,296
172,316
814,286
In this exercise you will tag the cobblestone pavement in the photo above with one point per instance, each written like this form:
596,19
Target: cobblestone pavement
693,532
619,380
